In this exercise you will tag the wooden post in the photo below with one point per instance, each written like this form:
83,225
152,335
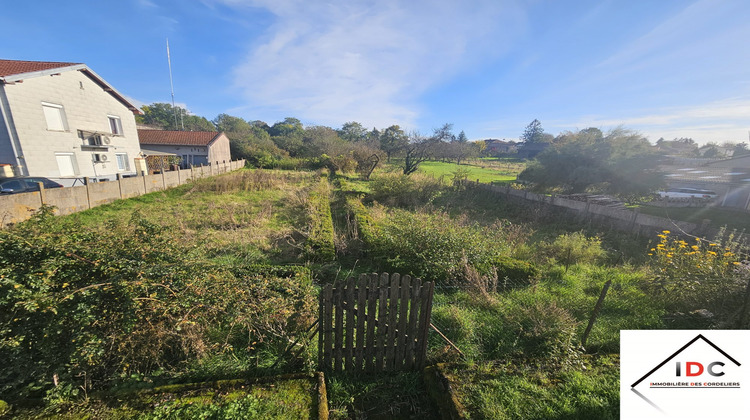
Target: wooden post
372,308
349,354
361,306
86,181
119,184
382,321
412,328
338,296
403,317
594,314
392,319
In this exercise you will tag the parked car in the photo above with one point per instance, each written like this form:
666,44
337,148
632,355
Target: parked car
687,193
17,185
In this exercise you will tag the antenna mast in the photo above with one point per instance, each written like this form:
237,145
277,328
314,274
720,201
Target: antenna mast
171,85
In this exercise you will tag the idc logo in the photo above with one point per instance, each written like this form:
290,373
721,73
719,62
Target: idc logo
683,374
696,369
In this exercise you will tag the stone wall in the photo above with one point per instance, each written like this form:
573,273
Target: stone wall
16,208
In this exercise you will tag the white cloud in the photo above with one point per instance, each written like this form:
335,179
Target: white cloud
367,60
146,4
719,121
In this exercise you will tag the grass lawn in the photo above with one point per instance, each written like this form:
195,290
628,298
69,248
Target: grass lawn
719,217
518,391
483,174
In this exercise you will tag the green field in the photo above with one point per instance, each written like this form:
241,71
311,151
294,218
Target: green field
498,174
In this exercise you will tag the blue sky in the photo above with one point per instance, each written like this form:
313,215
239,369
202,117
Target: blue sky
666,68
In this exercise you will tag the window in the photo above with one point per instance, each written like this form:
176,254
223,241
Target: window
95,140
55,116
66,163
123,164
115,125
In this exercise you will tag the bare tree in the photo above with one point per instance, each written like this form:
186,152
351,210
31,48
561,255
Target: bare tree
417,151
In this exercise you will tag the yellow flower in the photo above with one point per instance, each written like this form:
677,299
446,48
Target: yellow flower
697,239
711,252
665,231
712,245
736,263
650,253
695,247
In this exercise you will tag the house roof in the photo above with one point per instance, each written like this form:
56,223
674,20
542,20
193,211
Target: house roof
177,138
12,71
12,67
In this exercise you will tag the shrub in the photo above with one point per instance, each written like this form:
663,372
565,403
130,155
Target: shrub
512,272
544,330
86,306
404,190
574,248
436,247
698,274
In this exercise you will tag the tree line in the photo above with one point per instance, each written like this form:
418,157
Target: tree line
352,147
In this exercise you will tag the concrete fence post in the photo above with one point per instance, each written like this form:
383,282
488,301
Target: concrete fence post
145,188
633,220
163,181
86,181
211,169
41,192
179,177
119,184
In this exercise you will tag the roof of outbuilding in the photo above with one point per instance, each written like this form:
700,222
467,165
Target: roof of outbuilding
11,67
177,138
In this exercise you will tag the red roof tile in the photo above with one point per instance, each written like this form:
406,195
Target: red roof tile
178,138
11,67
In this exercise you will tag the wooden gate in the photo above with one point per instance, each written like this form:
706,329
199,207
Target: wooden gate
374,324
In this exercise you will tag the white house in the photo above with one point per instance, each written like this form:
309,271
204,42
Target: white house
63,121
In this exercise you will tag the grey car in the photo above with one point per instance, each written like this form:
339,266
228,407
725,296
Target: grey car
19,185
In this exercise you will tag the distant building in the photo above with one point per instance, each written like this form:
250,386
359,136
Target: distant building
729,178
63,121
194,148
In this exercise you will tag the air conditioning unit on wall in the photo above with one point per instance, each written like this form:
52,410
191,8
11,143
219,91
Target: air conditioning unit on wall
99,157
